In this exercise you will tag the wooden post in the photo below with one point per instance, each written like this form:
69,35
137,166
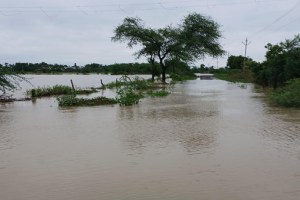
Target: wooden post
103,86
72,85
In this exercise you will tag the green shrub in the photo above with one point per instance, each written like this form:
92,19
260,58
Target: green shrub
289,95
128,96
137,83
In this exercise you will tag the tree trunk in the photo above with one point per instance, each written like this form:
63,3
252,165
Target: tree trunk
163,70
152,70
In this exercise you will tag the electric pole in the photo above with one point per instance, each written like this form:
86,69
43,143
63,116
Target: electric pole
246,43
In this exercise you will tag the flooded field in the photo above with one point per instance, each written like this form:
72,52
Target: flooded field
209,139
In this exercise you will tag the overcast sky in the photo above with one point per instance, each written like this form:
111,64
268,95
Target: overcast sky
79,31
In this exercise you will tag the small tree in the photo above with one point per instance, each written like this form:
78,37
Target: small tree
235,62
8,79
196,37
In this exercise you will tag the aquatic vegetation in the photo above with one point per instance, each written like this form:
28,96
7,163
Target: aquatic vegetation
135,82
128,96
56,90
72,100
130,91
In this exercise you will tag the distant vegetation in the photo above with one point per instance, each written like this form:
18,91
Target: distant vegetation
177,67
45,68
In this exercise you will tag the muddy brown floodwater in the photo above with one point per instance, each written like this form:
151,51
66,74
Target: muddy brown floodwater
209,139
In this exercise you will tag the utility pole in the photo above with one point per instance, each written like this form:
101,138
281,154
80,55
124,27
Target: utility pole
246,43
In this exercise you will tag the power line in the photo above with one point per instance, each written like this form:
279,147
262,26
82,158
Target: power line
116,7
277,19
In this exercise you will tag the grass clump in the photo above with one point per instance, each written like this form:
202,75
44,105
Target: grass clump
50,91
289,95
56,90
72,100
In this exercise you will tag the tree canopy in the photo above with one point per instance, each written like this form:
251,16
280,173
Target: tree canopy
282,63
196,37
235,62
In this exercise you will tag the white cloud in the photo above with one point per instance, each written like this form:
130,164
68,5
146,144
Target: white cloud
79,31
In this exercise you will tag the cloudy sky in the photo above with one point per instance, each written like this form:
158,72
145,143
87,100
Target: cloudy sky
79,31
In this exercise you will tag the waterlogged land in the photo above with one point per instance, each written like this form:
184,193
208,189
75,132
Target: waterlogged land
209,139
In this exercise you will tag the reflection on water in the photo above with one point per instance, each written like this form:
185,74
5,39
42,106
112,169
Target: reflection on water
206,140
190,123
283,134
7,138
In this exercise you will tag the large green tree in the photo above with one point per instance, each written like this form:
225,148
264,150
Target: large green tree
196,37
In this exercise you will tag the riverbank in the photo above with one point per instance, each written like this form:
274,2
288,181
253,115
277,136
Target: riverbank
286,96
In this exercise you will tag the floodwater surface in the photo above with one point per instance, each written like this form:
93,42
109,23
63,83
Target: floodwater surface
209,139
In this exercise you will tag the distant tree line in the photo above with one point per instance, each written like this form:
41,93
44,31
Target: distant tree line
114,69
118,68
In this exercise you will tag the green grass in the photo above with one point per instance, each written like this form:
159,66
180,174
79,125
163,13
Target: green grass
56,90
72,100
182,77
236,76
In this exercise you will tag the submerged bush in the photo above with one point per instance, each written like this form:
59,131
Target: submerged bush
289,95
72,100
128,96
136,83
130,91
